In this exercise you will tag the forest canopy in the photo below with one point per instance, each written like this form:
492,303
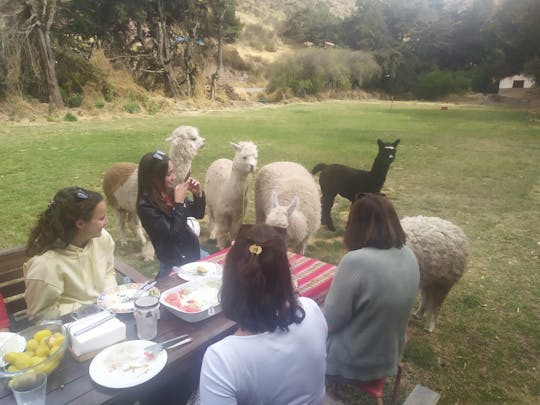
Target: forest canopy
394,46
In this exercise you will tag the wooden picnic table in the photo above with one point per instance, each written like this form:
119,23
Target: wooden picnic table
71,382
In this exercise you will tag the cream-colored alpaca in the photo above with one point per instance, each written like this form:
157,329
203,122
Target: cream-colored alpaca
287,196
120,183
226,188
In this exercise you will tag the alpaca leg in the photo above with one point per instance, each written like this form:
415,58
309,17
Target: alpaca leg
136,227
420,311
234,228
211,223
327,201
121,216
433,306
222,231
147,251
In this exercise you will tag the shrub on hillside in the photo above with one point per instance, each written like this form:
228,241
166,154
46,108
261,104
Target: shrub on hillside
260,38
75,100
132,107
232,58
437,84
311,71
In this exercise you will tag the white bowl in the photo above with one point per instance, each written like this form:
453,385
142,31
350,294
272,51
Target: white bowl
204,295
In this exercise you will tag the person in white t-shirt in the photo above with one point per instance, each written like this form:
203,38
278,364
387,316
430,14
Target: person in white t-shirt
278,354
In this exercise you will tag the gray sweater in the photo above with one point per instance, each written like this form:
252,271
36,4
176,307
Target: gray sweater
367,310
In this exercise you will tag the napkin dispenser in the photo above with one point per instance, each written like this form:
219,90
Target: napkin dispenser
86,338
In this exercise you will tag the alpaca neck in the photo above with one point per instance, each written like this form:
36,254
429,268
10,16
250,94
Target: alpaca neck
378,172
238,180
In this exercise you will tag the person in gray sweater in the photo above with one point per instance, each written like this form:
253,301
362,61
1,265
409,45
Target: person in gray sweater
367,308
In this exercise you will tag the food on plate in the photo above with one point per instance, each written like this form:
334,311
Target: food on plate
194,299
202,270
127,358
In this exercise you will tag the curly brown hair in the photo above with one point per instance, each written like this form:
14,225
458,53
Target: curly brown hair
55,227
373,222
257,291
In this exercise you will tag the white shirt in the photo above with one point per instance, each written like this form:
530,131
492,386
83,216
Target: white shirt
269,368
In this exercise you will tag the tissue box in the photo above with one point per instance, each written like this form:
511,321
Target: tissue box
109,332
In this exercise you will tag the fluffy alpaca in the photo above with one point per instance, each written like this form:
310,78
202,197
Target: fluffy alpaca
120,184
291,185
226,188
185,143
348,182
441,249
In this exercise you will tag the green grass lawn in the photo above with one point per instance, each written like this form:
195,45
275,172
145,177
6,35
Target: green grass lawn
475,166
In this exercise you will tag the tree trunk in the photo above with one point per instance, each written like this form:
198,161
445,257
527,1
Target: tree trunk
46,52
164,52
219,59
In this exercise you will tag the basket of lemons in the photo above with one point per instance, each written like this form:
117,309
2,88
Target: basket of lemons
44,348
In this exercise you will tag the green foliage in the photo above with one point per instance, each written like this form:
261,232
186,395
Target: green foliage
436,84
312,23
132,107
311,71
532,67
99,104
70,117
75,100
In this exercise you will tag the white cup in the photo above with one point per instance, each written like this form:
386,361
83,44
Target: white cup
29,388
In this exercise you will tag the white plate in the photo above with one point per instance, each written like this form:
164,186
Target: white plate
10,342
125,365
111,298
195,270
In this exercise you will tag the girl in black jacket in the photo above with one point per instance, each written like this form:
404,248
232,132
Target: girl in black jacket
164,208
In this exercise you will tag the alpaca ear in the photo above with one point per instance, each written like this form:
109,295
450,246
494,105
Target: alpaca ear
396,143
292,206
274,200
380,143
235,146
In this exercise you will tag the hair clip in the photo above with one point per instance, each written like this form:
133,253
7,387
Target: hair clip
255,249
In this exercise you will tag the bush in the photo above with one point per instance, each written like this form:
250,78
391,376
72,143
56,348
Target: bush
437,84
75,100
70,117
100,104
132,107
260,38
232,58
311,71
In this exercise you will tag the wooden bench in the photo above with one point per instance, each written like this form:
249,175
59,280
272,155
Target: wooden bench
12,279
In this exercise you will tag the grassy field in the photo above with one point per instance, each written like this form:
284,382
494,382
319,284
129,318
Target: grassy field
475,166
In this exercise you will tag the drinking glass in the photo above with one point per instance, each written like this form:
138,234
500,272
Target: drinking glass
29,388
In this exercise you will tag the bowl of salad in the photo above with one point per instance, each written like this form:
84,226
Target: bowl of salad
195,300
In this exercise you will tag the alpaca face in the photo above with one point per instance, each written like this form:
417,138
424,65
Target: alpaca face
387,150
188,138
245,157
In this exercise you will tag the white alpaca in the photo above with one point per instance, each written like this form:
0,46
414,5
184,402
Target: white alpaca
185,143
441,249
120,183
287,196
226,188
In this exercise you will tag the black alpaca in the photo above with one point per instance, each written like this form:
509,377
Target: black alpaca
348,182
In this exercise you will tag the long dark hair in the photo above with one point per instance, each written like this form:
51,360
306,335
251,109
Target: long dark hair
373,222
55,227
257,291
153,169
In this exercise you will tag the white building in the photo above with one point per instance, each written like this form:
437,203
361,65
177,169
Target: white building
516,85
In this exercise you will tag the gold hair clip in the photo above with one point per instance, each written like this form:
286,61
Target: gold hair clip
255,249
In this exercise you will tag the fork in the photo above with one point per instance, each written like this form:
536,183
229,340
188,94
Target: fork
144,288
168,344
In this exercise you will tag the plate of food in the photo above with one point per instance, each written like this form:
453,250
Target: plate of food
196,270
126,364
195,300
120,299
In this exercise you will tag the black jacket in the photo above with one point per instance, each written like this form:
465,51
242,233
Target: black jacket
174,242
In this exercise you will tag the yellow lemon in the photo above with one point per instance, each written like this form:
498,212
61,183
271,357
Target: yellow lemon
31,345
36,360
54,349
23,362
10,357
42,350
58,340
42,334
12,368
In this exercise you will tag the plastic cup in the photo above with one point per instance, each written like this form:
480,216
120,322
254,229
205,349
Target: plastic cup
29,388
